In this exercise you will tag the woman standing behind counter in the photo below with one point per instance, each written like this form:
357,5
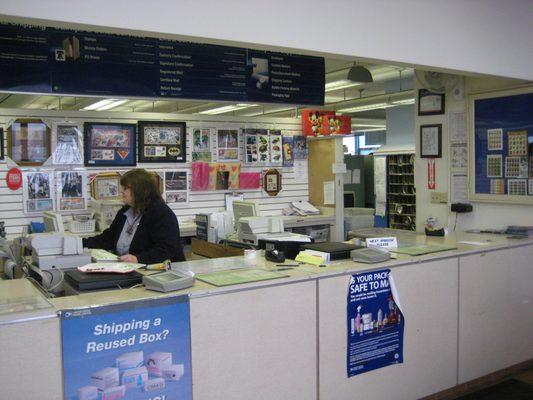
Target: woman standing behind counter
145,230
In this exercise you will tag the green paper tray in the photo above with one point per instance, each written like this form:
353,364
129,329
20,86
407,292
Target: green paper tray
235,277
422,249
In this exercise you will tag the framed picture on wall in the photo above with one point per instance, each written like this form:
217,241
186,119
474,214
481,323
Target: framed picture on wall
431,141
272,182
67,143
162,141
28,142
109,144
38,194
106,186
2,154
176,186
228,145
71,190
430,103
501,146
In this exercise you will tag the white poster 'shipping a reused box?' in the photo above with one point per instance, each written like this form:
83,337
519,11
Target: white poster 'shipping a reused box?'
128,352
375,323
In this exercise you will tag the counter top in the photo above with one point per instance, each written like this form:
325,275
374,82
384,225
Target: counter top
465,243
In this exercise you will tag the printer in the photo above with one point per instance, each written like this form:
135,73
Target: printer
63,250
251,229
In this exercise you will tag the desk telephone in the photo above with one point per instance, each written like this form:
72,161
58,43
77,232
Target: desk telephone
276,256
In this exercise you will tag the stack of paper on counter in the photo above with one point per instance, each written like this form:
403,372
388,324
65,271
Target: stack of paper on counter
304,208
99,255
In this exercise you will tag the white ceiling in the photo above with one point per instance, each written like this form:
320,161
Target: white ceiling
335,99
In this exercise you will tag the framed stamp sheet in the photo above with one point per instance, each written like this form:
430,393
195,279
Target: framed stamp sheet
109,144
228,145
162,141
28,142
176,186
71,190
38,193
67,143
106,186
272,182
201,144
501,146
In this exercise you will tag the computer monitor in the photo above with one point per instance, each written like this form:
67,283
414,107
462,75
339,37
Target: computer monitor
349,199
244,209
53,222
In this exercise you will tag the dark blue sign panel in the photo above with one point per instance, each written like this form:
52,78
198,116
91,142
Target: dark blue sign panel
51,60
102,65
24,59
503,140
375,323
285,78
134,351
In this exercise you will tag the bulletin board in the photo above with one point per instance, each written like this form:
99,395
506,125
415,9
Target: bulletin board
501,146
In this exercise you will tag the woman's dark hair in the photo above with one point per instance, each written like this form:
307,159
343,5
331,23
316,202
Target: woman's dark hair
143,186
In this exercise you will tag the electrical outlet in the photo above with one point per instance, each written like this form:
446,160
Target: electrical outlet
439,198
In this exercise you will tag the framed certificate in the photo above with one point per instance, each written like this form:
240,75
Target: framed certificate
430,103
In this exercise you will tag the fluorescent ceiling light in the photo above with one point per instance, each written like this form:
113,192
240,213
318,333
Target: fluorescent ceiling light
225,109
105,104
366,107
369,130
114,104
403,102
371,125
340,84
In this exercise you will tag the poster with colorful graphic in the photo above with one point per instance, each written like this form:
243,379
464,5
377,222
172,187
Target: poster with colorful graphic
375,323
288,145
314,122
300,148
128,351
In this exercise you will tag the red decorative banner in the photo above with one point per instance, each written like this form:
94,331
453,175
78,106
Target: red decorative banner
314,122
338,125
431,173
14,179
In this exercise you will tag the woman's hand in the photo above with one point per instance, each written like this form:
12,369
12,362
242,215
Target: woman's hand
128,258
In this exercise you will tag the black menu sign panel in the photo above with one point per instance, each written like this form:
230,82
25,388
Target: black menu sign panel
49,60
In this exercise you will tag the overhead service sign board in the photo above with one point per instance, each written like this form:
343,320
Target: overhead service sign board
136,350
375,323
51,60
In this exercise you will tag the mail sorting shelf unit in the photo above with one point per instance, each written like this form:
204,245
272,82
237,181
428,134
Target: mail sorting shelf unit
401,194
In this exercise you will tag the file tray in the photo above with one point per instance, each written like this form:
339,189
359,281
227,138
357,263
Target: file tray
422,249
235,277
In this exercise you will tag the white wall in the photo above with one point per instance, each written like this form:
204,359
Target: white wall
484,215
481,36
